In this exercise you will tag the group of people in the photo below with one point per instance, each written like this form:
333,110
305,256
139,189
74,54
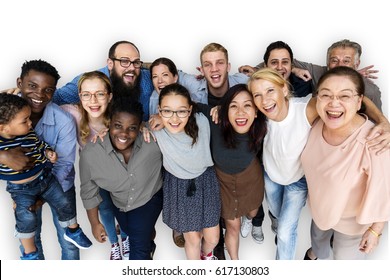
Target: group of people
204,151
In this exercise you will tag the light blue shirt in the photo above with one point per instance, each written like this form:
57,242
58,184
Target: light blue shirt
198,88
58,129
153,103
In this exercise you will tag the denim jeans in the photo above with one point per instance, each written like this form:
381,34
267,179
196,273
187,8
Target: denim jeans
106,212
46,187
68,250
139,225
285,202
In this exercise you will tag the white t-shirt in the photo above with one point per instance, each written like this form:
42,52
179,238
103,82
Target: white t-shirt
284,143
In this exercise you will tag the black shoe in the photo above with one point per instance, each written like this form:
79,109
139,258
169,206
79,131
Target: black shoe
152,250
331,241
307,258
219,252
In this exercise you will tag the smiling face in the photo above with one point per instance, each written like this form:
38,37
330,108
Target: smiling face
215,68
19,125
38,89
127,77
343,57
280,60
270,99
124,129
95,107
337,114
161,77
176,103
242,112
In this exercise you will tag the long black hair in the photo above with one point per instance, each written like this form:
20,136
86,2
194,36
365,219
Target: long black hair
257,130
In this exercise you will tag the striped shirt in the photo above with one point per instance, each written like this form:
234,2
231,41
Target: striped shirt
36,148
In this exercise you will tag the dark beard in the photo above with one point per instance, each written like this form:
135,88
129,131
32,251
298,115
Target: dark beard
121,89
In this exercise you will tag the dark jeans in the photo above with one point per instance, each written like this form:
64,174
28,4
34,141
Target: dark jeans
257,221
139,225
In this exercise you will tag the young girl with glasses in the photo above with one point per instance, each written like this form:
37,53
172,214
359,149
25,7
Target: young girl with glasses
191,191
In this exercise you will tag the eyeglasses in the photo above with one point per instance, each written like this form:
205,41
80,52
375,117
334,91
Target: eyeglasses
124,62
85,96
347,98
169,113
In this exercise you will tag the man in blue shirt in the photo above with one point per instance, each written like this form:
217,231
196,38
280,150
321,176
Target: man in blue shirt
37,84
127,76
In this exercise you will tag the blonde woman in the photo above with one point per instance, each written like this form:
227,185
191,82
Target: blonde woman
92,116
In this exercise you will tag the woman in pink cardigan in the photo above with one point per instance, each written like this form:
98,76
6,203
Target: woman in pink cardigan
348,184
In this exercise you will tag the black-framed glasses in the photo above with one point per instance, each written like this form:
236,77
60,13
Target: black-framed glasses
86,95
169,113
125,62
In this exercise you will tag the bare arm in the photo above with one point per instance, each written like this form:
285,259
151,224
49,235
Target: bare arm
98,229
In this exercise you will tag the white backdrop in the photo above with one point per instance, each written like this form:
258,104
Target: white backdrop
75,37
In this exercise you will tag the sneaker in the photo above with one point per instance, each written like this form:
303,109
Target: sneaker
274,223
78,238
246,226
257,234
30,256
208,257
126,248
115,253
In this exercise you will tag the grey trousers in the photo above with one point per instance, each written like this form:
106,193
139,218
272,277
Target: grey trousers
345,247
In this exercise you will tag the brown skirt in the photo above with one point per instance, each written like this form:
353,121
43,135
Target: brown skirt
241,192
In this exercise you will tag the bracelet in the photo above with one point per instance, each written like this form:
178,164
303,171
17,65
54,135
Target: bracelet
374,232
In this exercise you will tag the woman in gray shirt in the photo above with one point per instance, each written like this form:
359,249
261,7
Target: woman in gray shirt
131,170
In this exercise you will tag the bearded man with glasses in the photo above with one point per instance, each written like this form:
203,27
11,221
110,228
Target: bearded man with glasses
124,68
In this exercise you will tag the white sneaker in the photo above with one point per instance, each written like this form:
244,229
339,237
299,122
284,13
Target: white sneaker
115,253
246,226
257,234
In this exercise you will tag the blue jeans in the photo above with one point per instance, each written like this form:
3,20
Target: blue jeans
139,225
46,187
68,250
106,212
285,202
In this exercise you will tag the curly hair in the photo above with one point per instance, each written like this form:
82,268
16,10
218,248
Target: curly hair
40,66
10,105
125,104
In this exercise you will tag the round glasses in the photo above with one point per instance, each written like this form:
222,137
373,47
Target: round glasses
125,62
85,96
169,113
347,98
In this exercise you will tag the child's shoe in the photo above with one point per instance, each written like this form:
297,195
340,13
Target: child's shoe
208,257
30,256
78,238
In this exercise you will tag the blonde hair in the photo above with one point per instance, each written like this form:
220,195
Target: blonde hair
84,127
214,47
272,76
